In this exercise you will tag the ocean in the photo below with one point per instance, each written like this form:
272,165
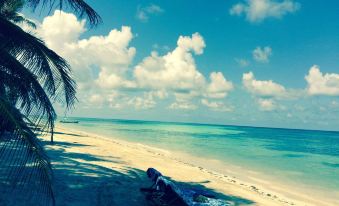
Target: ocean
301,159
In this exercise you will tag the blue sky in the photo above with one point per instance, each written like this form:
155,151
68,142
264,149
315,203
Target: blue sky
258,52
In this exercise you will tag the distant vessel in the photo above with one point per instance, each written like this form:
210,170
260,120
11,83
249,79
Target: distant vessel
69,121
65,120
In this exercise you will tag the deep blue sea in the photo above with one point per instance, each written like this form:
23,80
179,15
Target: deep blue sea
300,157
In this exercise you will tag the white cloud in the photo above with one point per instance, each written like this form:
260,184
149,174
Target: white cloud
259,10
176,70
160,94
183,106
145,102
102,65
322,84
148,100
186,96
216,105
194,43
115,100
99,63
266,92
109,80
96,99
219,86
242,62
266,104
99,99
143,13
110,54
263,88
61,28
262,54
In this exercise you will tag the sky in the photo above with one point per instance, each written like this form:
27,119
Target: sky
271,63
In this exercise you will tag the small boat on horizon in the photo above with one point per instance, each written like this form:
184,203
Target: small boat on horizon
65,120
69,121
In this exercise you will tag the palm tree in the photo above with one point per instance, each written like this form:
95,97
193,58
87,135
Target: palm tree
32,77
9,10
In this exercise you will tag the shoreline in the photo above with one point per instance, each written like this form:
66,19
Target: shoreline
140,157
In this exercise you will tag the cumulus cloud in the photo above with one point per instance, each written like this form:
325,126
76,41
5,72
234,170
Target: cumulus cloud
322,84
178,72
183,105
263,88
266,104
110,55
266,92
185,100
145,102
143,13
61,28
216,105
100,63
148,100
257,11
219,86
99,99
96,99
102,67
175,70
262,54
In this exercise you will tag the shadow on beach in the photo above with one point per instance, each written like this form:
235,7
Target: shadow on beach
69,134
79,180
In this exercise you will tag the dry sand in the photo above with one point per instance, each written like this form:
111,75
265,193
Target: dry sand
93,170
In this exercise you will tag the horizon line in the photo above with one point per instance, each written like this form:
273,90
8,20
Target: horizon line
210,124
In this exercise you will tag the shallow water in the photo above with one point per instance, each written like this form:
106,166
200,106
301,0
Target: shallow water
306,158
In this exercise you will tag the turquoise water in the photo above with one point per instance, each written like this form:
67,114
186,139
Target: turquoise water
310,158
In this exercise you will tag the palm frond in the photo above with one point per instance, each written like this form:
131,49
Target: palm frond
9,10
23,89
52,71
18,19
27,22
25,171
79,6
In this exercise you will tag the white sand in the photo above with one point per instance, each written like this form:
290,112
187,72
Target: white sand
93,170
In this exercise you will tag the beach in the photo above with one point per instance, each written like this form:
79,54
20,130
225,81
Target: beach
232,103
92,169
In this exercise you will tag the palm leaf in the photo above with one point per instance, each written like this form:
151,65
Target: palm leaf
51,69
79,6
25,169
24,166
23,88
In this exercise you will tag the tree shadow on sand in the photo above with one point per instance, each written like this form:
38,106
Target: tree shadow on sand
69,134
79,180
